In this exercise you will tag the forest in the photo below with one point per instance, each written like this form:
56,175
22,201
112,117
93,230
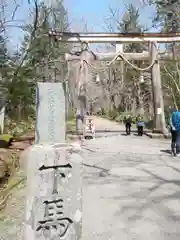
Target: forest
41,59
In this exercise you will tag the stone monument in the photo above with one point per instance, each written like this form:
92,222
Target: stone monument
54,184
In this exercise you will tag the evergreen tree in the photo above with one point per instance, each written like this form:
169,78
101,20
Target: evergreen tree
22,72
168,15
3,51
42,47
130,24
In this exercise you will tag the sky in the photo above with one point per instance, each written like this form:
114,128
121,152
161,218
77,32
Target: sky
96,11
81,12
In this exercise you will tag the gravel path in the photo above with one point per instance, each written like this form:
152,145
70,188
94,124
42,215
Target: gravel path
130,190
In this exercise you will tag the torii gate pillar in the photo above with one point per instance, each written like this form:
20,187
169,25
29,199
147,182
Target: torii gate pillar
159,118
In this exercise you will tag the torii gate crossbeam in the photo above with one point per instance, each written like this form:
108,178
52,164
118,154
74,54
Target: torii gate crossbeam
114,37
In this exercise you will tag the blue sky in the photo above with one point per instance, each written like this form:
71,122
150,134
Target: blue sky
15,35
95,11
92,12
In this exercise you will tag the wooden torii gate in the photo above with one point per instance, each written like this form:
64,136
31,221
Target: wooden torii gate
118,38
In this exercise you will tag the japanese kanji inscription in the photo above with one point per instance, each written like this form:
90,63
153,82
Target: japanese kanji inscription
54,219
53,215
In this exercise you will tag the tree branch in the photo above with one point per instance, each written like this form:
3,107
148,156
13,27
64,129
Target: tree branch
33,34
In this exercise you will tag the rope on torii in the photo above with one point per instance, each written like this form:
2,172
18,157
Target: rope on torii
120,55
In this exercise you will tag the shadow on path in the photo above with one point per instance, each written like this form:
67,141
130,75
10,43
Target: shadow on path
141,197
166,151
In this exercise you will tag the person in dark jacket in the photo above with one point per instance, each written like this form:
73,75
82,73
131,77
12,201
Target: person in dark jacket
128,124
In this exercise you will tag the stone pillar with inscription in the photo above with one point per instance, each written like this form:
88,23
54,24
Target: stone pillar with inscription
50,113
54,183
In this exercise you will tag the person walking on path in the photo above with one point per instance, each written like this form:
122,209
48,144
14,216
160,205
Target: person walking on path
175,132
128,124
140,125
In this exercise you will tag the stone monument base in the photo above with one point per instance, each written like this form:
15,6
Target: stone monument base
53,203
